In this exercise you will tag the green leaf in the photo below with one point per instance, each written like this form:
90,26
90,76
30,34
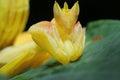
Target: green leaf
102,28
3,77
100,60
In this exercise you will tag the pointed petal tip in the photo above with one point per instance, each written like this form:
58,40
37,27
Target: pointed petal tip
65,5
76,3
56,3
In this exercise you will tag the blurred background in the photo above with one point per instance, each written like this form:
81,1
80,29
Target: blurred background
90,10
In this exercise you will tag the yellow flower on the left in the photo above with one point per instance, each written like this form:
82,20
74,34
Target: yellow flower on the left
13,17
17,49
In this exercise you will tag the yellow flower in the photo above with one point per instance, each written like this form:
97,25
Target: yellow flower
63,38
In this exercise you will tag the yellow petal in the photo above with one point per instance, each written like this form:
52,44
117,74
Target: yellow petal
20,58
78,39
22,39
46,36
65,6
13,18
39,59
65,18
12,56
22,42
16,66
11,53
42,32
